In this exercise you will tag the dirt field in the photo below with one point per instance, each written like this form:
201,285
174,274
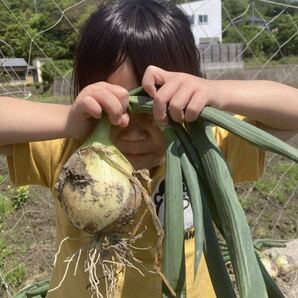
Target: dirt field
28,233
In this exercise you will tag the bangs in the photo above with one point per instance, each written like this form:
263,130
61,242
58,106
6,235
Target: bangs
145,31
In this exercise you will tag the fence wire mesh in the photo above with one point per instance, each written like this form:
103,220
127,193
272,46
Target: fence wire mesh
248,40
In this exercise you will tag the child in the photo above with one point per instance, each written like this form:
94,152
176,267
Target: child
118,48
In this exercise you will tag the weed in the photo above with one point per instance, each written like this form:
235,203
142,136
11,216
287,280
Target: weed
266,184
246,203
18,195
282,188
6,206
17,275
2,179
4,252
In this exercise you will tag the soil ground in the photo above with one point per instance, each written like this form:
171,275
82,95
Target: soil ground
29,232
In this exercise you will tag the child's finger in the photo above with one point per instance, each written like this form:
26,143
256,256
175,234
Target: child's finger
110,104
153,76
161,100
121,93
179,102
124,120
100,88
92,107
194,108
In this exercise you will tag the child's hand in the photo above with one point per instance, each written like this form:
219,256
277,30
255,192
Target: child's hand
183,94
92,101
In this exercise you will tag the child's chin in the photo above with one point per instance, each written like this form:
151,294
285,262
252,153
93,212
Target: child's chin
137,161
149,164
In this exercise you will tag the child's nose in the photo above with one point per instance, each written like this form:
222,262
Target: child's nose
133,134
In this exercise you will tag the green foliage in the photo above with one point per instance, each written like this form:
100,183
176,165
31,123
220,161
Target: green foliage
27,28
283,188
32,29
4,252
4,77
259,42
5,206
17,275
2,179
286,31
18,195
53,69
234,8
266,44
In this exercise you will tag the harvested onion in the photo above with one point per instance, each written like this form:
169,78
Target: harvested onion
97,187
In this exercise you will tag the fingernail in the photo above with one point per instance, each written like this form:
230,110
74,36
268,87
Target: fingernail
124,120
165,120
118,121
151,91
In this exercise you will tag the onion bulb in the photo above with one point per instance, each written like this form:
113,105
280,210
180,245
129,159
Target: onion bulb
285,264
270,266
96,186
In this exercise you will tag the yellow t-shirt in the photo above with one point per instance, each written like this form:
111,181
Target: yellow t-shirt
41,162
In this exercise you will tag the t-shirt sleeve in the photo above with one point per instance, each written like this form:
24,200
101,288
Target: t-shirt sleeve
38,162
245,160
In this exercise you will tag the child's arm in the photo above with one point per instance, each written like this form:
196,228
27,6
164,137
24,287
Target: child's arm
24,121
273,105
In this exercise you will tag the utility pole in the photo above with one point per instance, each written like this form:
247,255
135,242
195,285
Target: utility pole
35,7
252,11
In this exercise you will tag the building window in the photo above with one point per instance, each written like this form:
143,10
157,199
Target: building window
191,19
203,19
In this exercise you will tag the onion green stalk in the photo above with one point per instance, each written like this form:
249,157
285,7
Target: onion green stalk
256,136
173,256
203,231
194,190
236,231
141,103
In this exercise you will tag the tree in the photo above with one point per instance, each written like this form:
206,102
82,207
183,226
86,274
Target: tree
54,69
258,44
287,34
234,8
33,31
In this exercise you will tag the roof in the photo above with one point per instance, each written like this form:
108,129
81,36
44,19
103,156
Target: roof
13,62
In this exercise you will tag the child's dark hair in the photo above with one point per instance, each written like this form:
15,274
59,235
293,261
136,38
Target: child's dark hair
148,32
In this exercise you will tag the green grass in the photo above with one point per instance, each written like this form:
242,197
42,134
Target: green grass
275,195
4,252
6,206
279,189
17,275
261,60
247,203
12,199
18,195
2,179
51,99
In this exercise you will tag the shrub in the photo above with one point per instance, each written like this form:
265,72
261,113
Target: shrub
53,69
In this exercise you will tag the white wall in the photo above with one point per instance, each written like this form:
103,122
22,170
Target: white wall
37,63
211,8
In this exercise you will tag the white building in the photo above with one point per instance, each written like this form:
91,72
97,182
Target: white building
206,20
37,63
